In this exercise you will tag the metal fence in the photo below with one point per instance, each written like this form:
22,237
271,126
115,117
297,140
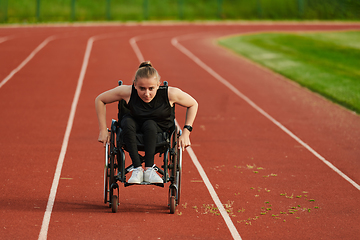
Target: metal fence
139,10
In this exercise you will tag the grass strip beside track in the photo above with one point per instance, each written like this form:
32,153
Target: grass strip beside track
326,63
25,11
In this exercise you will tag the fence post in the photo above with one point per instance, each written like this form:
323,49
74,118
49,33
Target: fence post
301,8
219,8
181,9
259,9
38,10
108,14
5,10
146,9
72,10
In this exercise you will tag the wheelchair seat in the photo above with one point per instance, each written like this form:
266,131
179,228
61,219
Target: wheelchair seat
162,140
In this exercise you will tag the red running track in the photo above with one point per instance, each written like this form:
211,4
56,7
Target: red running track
271,186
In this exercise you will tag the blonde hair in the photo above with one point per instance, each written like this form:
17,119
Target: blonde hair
146,70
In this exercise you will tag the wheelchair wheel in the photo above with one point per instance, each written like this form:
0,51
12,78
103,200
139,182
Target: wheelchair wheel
113,179
177,162
175,173
111,173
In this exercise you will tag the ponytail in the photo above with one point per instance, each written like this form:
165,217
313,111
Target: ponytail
146,70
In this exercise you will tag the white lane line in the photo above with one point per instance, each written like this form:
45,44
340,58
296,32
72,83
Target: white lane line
175,43
51,200
133,41
136,49
235,234
32,54
3,39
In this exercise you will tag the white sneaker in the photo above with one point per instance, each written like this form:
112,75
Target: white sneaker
137,175
151,176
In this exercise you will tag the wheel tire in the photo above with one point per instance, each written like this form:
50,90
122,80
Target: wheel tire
172,200
114,203
106,175
112,170
178,175
172,204
106,185
111,181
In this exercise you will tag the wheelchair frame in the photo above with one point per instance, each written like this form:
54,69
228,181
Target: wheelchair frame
115,170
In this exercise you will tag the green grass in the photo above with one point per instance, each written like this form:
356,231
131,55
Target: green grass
326,63
26,11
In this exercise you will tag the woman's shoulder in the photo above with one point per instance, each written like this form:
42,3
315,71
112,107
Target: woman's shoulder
174,91
174,94
124,91
124,88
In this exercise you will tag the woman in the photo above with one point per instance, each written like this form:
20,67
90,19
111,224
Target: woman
151,111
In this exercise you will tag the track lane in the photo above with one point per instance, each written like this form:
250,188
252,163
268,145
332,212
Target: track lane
53,190
14,51
26,60
218,205
34,103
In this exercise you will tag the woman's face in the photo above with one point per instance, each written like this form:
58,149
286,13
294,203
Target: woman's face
146,88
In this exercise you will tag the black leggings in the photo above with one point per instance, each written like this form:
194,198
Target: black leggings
149,129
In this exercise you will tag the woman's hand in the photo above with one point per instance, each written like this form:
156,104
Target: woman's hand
184,140
104,137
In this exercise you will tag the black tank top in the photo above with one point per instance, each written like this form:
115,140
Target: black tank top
159,109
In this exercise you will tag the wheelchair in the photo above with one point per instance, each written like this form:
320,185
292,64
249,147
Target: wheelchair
115,171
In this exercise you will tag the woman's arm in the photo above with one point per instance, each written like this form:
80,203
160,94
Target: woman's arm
176,96
113,95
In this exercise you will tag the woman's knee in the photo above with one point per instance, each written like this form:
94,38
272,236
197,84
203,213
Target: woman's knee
150,126
128,124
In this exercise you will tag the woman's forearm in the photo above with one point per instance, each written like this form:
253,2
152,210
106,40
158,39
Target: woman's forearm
191,114
100,108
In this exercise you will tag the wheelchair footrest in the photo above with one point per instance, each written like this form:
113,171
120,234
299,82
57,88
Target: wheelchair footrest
159,170
126,184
